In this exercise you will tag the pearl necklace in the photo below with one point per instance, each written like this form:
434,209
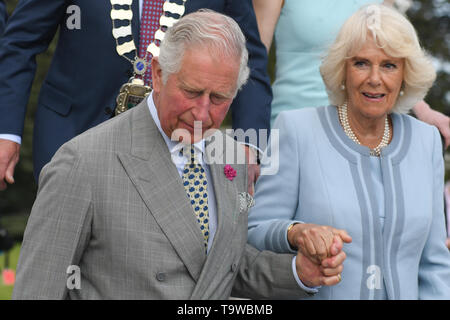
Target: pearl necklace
343,118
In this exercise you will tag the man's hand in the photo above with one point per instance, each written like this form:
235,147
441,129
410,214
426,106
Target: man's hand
435,118
447,243
253,169
326,274
9,156
317,242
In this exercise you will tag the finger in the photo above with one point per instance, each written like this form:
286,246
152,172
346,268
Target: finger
327,241
306,247
9,174
343,234
330,281
310,248
317,239
334,261
328,272
337,245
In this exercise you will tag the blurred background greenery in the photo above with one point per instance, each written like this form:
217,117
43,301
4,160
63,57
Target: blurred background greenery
430,17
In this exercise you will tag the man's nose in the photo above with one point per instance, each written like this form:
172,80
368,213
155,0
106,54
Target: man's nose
201,110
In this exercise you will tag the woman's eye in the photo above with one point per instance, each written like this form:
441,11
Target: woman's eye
390,66
359,63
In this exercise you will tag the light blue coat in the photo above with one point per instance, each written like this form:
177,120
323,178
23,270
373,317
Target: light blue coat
392,206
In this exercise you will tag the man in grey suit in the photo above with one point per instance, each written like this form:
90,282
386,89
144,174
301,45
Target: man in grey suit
119,214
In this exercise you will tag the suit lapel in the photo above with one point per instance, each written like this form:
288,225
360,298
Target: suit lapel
156,178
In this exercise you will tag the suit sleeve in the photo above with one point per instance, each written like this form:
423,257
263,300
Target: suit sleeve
434,268
266,275
251,107
275,206
3,16
30,29
58,229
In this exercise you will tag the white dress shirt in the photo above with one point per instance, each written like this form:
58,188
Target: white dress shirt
180,161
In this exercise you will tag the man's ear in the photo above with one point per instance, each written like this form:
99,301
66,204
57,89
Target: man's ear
156,75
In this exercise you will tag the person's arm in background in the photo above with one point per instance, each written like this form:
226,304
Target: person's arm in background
422,110
425,113
28,33
251,107
267,13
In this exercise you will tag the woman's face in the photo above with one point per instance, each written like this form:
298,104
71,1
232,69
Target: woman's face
373,81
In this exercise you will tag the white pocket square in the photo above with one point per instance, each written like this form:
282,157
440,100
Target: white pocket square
246,201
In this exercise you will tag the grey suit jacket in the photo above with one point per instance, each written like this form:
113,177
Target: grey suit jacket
111,202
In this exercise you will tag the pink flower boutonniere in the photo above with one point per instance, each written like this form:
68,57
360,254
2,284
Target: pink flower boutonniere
230,173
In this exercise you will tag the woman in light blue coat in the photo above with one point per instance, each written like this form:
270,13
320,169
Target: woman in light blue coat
364,166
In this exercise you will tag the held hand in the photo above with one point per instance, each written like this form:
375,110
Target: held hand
317,242
253,169
9,156
313,275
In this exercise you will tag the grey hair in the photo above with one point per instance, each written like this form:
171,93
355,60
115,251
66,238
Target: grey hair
203,28
391,32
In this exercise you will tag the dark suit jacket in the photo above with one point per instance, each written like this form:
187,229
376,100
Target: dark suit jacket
86,73
3,16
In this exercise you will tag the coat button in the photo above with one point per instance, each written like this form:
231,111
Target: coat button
233,267
161,276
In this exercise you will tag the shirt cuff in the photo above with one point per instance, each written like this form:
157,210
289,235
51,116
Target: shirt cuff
11,137
312,290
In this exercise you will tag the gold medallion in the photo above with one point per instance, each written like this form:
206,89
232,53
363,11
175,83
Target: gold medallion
131,94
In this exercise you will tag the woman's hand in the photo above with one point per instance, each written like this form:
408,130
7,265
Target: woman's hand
317,242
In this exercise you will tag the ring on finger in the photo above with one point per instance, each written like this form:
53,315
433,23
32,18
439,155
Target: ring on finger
339,277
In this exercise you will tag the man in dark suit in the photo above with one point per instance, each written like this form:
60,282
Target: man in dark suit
86,73
3,16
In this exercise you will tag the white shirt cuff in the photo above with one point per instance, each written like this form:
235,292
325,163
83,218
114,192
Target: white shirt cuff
11,137
312,290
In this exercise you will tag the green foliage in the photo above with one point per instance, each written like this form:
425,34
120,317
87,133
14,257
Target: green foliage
6,290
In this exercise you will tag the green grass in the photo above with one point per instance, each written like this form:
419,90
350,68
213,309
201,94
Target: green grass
6,291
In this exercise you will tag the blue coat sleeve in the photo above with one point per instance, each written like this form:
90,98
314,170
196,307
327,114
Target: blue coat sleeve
251,107
434,268
3,16
30,30
277,193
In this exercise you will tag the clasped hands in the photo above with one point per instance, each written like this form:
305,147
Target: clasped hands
320,254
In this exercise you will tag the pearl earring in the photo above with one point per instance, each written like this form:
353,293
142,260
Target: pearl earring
342,86
401,93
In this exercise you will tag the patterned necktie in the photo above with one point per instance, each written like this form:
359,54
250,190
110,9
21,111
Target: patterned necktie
195,184
151,12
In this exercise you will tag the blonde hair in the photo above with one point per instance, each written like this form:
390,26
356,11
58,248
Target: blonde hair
391,32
